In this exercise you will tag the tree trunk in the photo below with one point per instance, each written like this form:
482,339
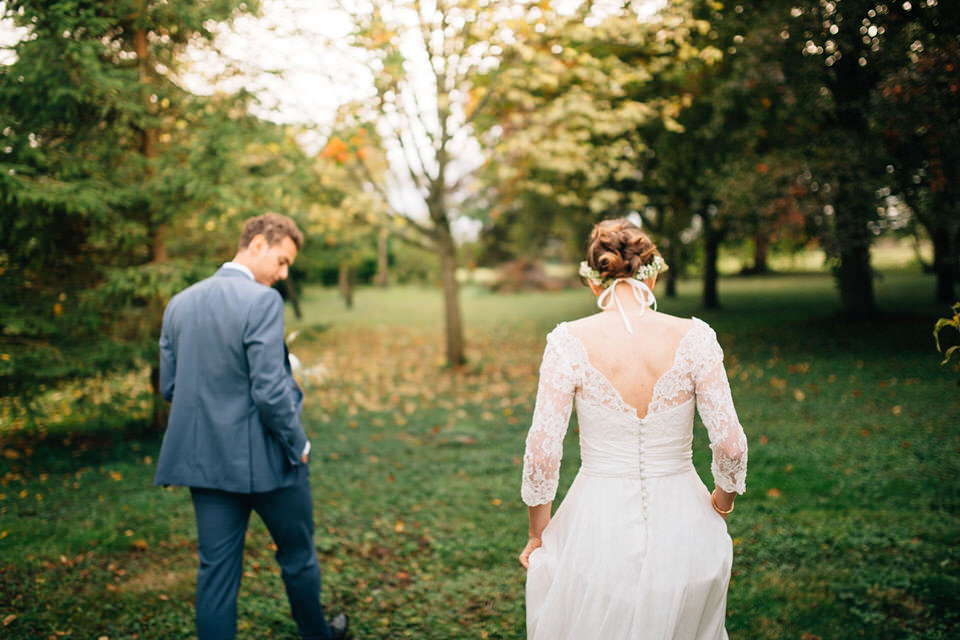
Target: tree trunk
289,290
382,278
671,285
851,238
711,252
761,248
855,281
158,246
345,284
158,243
945,252
671,256
451,299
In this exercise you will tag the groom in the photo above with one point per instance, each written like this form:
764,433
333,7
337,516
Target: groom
234,434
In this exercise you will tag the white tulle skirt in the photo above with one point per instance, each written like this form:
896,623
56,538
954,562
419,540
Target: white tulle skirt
624,560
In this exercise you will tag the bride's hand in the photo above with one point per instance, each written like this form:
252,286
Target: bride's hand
532,543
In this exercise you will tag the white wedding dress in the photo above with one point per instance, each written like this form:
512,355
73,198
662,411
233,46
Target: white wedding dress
635,550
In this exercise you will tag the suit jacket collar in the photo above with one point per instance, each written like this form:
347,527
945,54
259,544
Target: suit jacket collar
234,268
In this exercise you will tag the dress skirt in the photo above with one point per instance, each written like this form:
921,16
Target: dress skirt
625,557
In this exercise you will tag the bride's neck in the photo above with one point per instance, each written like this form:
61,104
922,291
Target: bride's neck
624,293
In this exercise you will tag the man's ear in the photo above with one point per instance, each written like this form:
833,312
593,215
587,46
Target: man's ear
257,244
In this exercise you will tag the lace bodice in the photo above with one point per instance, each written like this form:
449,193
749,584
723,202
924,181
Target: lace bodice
613,439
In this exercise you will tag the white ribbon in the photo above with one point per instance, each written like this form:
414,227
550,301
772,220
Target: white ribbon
641,293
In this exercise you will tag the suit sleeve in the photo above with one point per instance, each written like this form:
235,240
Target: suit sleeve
168,356
271,384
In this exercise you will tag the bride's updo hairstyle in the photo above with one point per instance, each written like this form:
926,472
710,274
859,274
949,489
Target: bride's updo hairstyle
618,248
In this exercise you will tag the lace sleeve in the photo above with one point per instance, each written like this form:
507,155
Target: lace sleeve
715,404
551,416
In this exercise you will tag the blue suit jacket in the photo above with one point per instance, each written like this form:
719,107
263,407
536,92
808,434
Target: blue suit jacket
235,415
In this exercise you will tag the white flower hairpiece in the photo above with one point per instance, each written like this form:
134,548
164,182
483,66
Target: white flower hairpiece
645,272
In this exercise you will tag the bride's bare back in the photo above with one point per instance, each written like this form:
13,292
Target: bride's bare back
632,363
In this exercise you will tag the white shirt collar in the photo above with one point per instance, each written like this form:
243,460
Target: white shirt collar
239,267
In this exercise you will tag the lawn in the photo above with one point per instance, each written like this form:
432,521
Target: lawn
850,526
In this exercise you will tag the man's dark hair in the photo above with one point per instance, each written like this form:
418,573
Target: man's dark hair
274,227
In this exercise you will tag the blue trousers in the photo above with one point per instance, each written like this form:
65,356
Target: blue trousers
222,519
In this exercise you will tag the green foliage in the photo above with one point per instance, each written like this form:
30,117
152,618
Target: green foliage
572,120
942,323
918,116
108,169
837,63
408,263
767,121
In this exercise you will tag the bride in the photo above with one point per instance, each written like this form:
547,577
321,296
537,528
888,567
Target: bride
639,547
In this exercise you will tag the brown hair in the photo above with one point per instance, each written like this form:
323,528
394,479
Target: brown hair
274,227
618,248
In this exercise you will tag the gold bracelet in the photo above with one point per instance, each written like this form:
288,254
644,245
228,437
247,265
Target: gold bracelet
713,503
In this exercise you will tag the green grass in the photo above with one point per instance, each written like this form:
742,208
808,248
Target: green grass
849,527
